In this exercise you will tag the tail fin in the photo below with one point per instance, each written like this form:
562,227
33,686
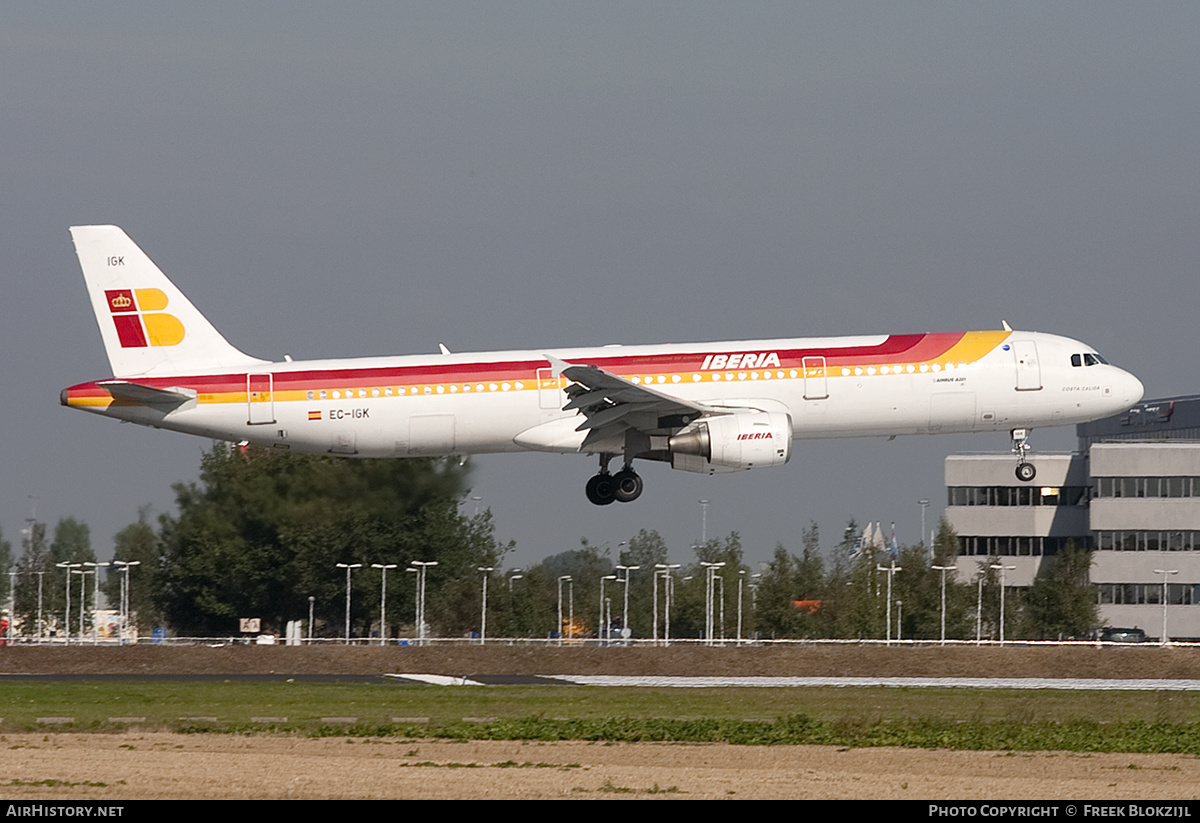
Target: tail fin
146,323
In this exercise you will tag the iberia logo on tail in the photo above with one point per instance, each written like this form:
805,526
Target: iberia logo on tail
140,322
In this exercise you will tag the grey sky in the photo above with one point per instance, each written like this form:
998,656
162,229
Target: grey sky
379,177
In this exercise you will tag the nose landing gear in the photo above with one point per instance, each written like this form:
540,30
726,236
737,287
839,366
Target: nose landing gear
1025,470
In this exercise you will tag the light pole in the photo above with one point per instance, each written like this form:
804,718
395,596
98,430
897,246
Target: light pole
125,566
979,610
741,584
422,567
96,599
349,567
514,574
311,601
600,624
1002,569
703,521
663,570
943,570
710,573
1165,573
383,567
890,570
625,580
41,621
67,618
924,504
487,572
82,595
565,578
719,606
12,602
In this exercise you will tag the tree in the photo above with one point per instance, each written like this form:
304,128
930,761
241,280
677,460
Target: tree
1062,600
33,570
137,543
646,550
73,544
263,531
6,562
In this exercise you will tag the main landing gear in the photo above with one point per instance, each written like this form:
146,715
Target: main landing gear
624,487
1025,470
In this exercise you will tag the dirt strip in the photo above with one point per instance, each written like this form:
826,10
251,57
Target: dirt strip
133,766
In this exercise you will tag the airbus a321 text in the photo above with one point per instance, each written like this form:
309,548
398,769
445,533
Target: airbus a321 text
700,407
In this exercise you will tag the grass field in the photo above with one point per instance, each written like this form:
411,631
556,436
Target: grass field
946,718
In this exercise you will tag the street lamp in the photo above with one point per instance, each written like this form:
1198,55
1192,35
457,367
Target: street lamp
124,565
383,567
567,579
82,595
890,570
96,599
625,580
422,567
924,504
487,571
601,626
1165,573
348,567
741,584
1002,569
710,573
943,570
703,521
67,618
663,569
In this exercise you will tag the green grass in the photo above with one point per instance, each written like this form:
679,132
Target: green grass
948,718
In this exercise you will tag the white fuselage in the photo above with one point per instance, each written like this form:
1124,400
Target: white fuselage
512,401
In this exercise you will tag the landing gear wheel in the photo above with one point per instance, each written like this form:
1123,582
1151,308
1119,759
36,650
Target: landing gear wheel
1026,472
628,485
601,489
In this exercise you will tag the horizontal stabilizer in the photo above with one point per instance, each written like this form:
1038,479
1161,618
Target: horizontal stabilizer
125,391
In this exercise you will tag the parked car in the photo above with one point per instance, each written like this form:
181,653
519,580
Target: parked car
1112,634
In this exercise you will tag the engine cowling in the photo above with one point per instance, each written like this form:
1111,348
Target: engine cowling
733,442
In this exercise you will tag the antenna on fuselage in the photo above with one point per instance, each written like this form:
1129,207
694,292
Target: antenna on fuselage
1007,327
442,348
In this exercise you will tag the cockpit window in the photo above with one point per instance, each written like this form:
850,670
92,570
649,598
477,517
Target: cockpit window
1088,359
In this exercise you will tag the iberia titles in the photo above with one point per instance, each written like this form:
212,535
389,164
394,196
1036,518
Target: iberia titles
750,360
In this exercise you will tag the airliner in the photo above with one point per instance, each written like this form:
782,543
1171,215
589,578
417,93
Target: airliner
700,407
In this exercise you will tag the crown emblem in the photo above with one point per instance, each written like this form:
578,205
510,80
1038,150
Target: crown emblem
121,301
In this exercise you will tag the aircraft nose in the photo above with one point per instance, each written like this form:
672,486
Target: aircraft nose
1130,389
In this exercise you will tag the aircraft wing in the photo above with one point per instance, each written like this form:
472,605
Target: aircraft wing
137,394
612,405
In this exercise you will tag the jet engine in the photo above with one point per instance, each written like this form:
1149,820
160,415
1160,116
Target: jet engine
732,442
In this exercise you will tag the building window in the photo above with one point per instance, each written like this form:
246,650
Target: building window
1175,486
1147,541
1147,594
1018,495
1016,545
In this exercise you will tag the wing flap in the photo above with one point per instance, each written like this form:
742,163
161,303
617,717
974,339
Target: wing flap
613,405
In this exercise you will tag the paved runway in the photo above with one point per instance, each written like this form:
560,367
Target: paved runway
1081,684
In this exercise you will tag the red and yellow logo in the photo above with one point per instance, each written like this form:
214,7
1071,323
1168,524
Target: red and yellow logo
140,322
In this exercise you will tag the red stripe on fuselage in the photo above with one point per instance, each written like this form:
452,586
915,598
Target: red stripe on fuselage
896,348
